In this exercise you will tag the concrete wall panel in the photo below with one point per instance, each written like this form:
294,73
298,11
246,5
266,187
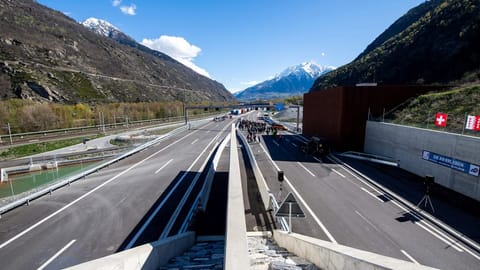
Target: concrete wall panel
406,144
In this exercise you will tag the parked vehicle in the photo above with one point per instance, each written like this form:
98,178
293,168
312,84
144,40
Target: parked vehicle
316,146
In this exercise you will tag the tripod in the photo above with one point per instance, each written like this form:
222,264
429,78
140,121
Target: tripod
426,198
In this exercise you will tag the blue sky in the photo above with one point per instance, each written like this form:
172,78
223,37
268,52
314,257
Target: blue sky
242,42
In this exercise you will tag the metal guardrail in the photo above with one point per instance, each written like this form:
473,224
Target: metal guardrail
283,222
68,180
5,137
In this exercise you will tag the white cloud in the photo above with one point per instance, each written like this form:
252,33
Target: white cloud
129,10
179,49
322,54
116,3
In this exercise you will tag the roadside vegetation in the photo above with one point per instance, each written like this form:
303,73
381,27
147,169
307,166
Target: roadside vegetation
30,116
37,148
457,103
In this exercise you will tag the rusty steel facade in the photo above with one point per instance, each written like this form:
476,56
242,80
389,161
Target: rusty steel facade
340,114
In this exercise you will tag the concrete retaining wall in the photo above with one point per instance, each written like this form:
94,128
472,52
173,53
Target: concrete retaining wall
406,145
146,257
205,193
327,255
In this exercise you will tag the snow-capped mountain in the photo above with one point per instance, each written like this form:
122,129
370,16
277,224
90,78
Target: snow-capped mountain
295,80
107,29
100,27
307,68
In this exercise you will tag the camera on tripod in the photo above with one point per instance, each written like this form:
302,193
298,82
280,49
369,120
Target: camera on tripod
428,182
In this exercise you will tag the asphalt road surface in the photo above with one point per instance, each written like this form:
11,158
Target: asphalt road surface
105,212
344,208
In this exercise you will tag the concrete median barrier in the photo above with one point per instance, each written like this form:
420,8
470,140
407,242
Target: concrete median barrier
146,257
236,248
327,255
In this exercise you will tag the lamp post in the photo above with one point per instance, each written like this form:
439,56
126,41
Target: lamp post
9,133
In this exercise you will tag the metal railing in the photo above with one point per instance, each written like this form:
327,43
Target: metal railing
455,123
5,138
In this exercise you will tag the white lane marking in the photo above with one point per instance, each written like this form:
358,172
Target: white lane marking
268,155
57,254
446,241
164,165
310,211
408,256
366,220
371,194
276,143
294,144
317,159
305,168
337,172
88,193
194,141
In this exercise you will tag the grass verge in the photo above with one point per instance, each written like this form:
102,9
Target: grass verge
37,148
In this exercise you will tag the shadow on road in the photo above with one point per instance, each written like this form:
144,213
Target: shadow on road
155,228
256,216
290,150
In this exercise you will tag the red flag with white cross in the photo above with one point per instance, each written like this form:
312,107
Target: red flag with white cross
441,119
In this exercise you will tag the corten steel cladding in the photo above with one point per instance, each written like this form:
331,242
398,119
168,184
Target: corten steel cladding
340,114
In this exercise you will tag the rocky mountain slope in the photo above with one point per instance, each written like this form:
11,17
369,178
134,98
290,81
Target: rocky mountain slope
435,42
295,80
45,55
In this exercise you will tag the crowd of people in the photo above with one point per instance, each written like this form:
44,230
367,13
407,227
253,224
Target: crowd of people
255,129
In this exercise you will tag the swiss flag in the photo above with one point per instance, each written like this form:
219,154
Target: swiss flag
473,123
441,119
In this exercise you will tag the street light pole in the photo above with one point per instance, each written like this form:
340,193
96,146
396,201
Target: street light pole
185,111
10,133
298,118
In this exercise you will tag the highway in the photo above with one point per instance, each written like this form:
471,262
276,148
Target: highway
345,208
110,210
